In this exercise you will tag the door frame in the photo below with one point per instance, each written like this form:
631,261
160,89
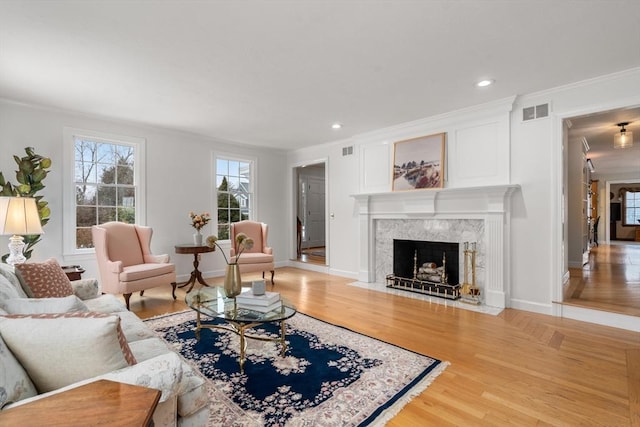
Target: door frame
293,205
558,181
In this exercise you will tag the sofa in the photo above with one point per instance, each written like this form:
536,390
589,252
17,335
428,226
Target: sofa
57,337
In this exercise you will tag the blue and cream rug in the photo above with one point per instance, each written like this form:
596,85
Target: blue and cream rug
330,376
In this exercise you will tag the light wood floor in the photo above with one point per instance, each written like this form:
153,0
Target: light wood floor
518,368
610,281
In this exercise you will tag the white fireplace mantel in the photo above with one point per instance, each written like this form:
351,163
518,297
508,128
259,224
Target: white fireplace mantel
489,203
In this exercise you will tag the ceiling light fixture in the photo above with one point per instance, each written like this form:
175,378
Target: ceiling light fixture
485,83
336,125
623,139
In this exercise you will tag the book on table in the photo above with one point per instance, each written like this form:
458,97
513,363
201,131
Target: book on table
260,308
248,298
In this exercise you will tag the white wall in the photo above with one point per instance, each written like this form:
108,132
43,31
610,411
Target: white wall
179,180
533,151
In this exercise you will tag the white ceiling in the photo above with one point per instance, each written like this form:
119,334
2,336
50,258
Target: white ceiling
278,73
599,129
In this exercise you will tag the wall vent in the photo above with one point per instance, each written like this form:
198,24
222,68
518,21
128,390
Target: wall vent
535,112
347,151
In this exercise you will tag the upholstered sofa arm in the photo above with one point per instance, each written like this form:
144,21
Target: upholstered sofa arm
268,250
86,288
148,258
162,372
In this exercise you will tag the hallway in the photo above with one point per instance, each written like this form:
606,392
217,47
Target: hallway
610,281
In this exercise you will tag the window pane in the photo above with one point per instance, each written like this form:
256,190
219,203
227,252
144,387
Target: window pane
125,174
106,196
85,216
83,238
106,215
85,195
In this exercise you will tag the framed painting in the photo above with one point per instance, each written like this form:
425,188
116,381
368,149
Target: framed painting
418,163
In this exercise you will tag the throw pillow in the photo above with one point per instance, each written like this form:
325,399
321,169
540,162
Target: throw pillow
8,290
43,305
44,280
15,384
57,350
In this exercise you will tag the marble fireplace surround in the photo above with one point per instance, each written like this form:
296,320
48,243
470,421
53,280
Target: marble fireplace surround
474,214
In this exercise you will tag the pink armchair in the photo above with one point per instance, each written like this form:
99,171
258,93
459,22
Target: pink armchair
125,261
258,258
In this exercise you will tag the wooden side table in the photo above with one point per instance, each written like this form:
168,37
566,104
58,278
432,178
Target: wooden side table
196,275
101,402
73,272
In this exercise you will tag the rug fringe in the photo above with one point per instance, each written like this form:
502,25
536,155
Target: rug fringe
392,411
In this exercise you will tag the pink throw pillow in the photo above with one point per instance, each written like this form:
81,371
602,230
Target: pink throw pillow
44,280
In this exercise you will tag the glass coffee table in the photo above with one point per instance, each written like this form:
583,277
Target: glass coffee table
212,303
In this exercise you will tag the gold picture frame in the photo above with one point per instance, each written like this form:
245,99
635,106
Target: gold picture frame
418,163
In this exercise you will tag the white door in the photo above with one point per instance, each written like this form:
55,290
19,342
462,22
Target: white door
315,213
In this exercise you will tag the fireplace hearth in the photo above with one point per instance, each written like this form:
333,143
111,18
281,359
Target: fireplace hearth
426,267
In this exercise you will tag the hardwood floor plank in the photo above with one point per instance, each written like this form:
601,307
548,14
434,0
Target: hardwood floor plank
517,368
633,368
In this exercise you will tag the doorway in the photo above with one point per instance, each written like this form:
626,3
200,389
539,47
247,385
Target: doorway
600,267
311,214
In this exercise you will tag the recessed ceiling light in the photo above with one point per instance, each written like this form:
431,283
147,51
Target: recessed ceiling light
485,83
336,126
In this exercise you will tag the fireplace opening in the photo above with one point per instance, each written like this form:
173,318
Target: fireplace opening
426,267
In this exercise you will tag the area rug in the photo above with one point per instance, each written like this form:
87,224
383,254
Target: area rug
329,376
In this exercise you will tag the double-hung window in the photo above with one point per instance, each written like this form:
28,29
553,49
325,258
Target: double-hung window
235,192
106,184
631,207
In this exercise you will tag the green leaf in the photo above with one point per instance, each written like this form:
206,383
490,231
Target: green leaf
45,163
24,189
38,175
26,166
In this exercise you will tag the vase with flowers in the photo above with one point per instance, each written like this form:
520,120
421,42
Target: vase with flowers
232,279
198,221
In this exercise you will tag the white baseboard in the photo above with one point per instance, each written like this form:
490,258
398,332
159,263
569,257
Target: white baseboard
531,306
605,318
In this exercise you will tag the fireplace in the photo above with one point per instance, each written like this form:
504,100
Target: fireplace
425,267
479,214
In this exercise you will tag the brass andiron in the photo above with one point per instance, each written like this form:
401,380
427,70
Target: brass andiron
470,292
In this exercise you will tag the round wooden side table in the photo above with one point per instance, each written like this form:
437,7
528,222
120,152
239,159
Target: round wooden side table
196,275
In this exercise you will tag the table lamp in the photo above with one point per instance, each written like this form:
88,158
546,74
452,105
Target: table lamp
18,217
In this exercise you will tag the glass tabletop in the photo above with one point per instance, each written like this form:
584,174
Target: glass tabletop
212,302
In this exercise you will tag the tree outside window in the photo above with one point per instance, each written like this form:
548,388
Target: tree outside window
234,193
104,186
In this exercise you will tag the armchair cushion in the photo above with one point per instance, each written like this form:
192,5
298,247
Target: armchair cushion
144,271
42,280
59,349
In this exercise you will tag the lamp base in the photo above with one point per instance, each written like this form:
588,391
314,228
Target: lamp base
16,245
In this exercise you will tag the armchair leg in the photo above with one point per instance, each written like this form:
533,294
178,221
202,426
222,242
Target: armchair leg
142,292
173,292
127,297
272,273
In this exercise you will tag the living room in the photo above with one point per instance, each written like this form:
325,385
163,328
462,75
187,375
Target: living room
489,145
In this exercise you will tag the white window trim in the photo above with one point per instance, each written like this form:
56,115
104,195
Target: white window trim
253,160
68,188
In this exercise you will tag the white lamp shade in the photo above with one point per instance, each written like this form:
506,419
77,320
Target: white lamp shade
623,139
19,216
